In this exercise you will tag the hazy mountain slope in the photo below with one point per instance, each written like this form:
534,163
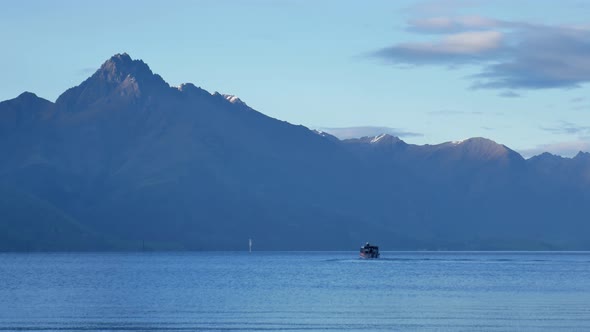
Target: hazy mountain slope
31,224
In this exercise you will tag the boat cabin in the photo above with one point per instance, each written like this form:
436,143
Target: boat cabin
369,251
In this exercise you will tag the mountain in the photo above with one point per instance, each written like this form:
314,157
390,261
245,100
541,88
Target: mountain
124,161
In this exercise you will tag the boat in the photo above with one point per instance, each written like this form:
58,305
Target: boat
369,251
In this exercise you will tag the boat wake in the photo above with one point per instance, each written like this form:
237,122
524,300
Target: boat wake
445,260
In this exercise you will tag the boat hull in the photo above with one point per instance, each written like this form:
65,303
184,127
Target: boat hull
369,256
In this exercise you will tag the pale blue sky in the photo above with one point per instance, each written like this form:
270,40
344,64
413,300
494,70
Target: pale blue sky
406,65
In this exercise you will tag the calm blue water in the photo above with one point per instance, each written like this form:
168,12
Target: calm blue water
301,291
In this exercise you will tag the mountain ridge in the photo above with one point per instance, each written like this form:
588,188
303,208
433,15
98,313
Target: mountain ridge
135,161
190,88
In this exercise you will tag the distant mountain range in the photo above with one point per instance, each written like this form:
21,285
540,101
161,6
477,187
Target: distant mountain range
125,162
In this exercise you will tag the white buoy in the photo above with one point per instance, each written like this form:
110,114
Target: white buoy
250,245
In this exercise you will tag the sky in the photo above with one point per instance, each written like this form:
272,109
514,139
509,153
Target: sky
432,71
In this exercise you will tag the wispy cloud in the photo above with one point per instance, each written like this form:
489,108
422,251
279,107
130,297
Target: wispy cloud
580,108
510,54
450,112
445,24
568,128
362,131
438,7
86,71
447,112
509,94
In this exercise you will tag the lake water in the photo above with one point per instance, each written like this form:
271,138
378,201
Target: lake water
295,291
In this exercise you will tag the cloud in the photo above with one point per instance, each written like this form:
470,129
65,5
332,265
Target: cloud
578,100
437,7
546,57
86,71
568,128
442,24
565,149
447,112
510,54
450,112
464,47
362,131
580,108
509,94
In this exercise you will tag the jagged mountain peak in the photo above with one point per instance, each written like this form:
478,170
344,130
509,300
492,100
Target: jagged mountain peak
481,141
121,59
382,139
546,156
121,56
478,142
382,142
484,148
121,75
120,66
385,139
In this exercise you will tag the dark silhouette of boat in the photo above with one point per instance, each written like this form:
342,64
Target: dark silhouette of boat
369,251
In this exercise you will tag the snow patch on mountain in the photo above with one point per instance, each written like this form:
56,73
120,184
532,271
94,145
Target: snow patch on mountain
233,99
378,138
325,135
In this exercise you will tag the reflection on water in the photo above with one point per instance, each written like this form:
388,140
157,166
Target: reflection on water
295,291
